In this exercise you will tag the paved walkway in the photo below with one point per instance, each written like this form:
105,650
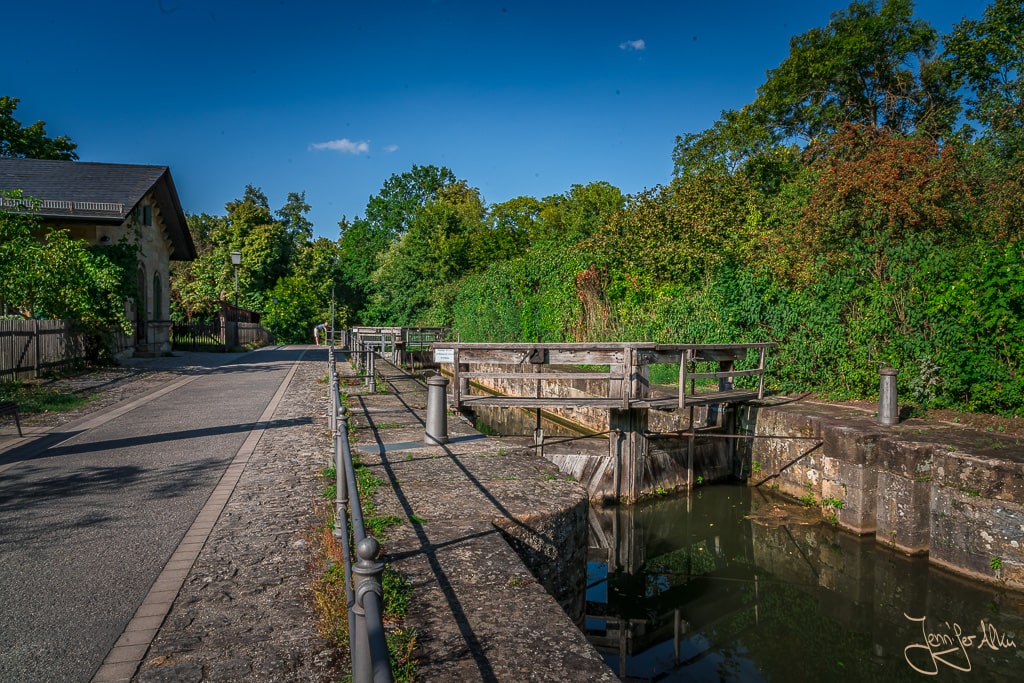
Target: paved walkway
105,515
164,537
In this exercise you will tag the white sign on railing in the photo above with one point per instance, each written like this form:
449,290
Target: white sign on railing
444,355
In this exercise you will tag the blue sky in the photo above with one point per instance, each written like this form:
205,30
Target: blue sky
332,98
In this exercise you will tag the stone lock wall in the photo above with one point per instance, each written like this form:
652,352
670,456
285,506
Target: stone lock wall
553,545
665,457
918,488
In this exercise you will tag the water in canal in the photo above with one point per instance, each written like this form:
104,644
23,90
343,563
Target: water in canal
694,589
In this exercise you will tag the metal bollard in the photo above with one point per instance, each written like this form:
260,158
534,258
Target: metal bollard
371,374
437,411
888,406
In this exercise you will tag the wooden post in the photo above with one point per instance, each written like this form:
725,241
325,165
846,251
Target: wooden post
457,382
630,449
760,377
689,453
35,340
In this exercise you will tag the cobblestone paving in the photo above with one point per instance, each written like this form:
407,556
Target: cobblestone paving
478,611
245,610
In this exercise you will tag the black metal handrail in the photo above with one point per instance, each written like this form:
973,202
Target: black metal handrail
363,590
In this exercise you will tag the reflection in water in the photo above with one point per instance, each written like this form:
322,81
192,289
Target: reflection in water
689,589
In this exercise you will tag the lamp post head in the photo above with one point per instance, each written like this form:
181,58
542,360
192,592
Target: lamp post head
236,258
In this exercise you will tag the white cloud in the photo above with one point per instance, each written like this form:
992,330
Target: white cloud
344,145
633,45
391,148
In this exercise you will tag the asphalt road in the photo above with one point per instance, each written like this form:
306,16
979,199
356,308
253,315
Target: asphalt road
87,524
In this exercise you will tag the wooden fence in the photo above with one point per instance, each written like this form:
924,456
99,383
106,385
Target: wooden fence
32,348
253,334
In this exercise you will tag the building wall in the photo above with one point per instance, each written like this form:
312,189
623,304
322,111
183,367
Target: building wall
146,226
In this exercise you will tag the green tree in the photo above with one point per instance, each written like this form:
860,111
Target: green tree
302,299
403,196
389,215
987,56
61,278
293,216
578,213
874,65
196,285
30,142
436,249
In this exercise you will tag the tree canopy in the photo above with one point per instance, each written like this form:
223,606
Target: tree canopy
30,142
866,206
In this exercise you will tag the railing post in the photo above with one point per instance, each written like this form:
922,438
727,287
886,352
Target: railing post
437,410
35,345
340,483
888,406
366,574
332,407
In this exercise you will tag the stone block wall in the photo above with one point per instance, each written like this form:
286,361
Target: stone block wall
977,516
918,488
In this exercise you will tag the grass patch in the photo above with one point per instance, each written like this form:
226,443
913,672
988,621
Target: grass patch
376,526
33,398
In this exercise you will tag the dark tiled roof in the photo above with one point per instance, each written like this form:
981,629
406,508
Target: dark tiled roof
99,193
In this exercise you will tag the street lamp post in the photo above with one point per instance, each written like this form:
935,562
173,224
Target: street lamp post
236,260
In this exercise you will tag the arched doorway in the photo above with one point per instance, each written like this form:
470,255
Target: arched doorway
158,299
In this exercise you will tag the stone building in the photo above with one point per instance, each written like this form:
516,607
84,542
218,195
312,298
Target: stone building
103,203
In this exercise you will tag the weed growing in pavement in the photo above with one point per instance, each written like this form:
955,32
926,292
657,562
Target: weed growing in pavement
401,644
328,584
376,526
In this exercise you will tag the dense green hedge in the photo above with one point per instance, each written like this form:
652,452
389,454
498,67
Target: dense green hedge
949,318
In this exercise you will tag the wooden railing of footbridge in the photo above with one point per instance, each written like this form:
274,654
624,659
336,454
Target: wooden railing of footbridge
626,381
624,389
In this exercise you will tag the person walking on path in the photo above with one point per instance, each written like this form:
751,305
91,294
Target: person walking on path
322,327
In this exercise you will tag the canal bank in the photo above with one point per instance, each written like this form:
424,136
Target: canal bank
836,467
919,487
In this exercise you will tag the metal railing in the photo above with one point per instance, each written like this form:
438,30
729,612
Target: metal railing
33,204
364,593
401,346
365,354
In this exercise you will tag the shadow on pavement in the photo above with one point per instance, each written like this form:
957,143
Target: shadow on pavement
46,447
